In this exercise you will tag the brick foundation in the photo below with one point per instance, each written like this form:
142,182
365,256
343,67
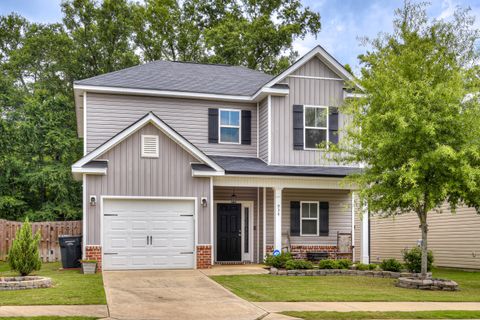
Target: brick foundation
204,257
94,253
300,251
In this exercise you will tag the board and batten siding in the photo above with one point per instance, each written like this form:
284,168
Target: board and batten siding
108,114
263,130
340,218
453,238
304,91
129,174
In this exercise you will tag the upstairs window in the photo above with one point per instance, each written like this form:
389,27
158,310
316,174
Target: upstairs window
229,126
315,126
149,146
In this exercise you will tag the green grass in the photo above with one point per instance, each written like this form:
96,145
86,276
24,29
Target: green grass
48,318
384,315
346,288
69,287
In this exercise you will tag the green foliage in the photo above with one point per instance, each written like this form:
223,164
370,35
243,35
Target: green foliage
328,264
258,35
24,256
372,266
419,118
278,261
344,263
39,62
413,259
298,264
391,265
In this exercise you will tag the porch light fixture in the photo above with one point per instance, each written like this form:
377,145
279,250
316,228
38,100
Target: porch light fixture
234,197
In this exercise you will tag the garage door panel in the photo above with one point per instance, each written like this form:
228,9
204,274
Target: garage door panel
127,223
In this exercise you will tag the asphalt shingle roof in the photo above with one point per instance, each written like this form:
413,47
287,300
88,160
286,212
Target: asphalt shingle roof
184,76
255,166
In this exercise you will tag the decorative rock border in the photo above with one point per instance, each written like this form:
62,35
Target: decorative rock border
345,272
22,283
427,284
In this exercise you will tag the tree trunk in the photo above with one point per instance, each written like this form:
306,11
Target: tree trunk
424,227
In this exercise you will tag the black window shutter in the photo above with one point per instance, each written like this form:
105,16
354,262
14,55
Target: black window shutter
324,219
295,218
297,127
246,127
212,125
333,124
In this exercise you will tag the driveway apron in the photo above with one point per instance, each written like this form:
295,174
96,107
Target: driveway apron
172,294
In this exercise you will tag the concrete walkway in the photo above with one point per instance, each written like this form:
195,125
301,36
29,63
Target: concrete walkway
366,306
172,294
99,311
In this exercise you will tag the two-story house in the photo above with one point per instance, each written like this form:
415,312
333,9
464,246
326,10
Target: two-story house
187,165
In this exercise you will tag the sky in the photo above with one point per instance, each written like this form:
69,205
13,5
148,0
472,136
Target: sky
343,21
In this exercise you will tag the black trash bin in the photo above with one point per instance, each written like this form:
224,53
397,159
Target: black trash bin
71,251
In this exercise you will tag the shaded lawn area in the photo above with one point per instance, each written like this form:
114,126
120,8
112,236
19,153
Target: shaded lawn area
346,288
69,287
385,315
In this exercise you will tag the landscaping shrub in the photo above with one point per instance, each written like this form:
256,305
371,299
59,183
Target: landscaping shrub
278,261
328,264
24,256
298,264
372,266
413,259
361,266
344,263
391,265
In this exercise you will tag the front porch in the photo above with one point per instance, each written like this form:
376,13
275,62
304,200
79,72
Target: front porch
252,221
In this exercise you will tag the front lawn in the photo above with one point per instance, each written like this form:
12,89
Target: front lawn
346,288
69,287
48,318
385,315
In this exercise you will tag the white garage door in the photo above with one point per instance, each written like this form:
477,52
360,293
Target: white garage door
148,234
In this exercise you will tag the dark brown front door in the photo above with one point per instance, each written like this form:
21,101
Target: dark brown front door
229,245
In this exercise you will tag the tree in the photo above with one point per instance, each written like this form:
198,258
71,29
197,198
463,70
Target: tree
255,34
417,130
24,256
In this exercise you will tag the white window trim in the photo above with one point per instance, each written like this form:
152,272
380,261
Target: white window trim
220,126
319,128
144,155
313,219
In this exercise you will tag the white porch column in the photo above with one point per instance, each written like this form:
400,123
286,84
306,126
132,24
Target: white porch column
278,218
365,235
353,226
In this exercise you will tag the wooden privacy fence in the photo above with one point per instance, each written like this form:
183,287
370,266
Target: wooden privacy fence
49,231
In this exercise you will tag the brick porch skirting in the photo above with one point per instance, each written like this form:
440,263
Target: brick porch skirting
94,253
204,257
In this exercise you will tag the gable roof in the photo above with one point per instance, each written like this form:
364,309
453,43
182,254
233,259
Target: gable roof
82,164
184,77
321,54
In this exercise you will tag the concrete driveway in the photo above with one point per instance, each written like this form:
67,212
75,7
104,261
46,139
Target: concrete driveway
172,294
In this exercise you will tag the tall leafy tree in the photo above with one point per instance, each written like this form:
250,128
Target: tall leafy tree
417,130
255,34
101,36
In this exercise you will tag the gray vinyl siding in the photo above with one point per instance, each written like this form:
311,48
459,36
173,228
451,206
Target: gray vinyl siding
108,114
304,91
453,238
131,175
242,194
340,218
263,132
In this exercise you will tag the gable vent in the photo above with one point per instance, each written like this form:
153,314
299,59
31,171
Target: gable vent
149,146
